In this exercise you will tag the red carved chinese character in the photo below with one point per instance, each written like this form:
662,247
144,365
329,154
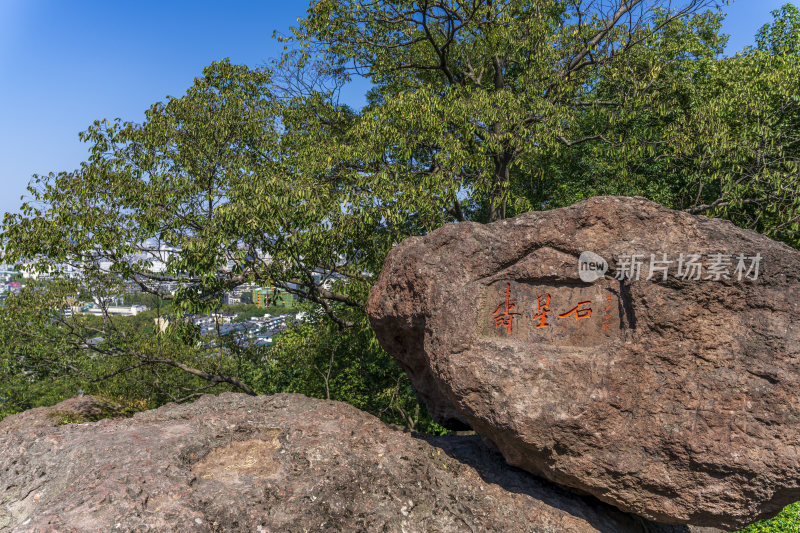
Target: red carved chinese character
579,313
543,302
607,316
503,316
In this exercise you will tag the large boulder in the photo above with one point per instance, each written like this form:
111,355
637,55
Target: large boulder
280,463
675,398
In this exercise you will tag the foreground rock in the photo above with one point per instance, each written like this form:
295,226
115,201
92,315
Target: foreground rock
71,411
674,399
273,463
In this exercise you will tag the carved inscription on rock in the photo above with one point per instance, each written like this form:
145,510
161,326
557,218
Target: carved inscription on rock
562,314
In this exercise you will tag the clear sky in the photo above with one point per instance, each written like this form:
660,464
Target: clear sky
64,64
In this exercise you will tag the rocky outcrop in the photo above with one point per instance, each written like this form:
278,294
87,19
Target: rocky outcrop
280,463
673,397
71,411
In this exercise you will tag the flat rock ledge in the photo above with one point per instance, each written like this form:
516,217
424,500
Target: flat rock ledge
271,464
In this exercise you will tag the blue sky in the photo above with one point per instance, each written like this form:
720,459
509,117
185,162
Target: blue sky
65,64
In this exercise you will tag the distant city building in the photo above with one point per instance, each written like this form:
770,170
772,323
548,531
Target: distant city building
234,297
230,298
6,273
64,270
92,309
12,286
266,297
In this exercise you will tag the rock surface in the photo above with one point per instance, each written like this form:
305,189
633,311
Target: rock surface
280,463
71,411
674,399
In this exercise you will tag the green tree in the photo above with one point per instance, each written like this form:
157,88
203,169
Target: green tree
479,110
469,95
712,135
500,107
782,37
207,193
316,359
253,183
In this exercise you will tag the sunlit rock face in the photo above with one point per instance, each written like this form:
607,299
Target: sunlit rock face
643,355
283,463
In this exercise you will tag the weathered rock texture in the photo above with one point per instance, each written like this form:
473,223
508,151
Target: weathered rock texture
279,463
71,411
677,400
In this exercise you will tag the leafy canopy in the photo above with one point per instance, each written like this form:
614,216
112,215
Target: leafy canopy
478,111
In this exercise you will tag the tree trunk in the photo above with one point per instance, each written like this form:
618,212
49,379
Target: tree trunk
499,194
